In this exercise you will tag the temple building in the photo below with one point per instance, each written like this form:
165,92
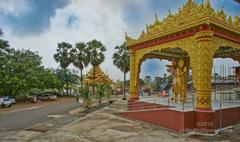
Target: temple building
100,77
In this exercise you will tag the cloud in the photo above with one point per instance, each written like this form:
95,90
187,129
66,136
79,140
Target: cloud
29,17
154,68
14,7
47,23
89,19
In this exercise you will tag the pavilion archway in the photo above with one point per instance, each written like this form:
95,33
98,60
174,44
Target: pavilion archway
167,53
198,30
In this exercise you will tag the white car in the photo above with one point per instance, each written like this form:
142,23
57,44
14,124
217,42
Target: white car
5,102
13,100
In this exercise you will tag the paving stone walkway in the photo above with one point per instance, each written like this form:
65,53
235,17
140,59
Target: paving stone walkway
105,125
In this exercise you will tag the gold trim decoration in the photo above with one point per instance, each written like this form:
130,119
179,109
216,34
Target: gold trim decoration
190,15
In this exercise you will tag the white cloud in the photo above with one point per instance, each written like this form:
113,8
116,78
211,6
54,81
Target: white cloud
13,6
101,20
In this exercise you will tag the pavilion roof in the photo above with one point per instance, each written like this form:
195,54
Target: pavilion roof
190,15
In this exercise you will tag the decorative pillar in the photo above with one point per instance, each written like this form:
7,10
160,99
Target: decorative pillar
134,86
201,63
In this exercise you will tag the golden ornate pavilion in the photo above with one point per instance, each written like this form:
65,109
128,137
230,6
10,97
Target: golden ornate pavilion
196,34
100,76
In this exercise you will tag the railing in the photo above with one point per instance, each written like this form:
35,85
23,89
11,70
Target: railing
222,100
145,104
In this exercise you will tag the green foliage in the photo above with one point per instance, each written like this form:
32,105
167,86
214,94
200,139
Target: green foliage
79,55
96,53
95,50
63,54
86,98
108,90
147,79
3,44
1,32
121,59
22,73
19,71
100,92
80,59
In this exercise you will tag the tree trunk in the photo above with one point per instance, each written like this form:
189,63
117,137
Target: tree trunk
94,83
65,71
81,81
124,85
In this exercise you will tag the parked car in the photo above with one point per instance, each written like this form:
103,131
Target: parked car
12,99
46,96
5,102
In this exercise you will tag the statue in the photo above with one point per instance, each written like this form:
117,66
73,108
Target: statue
173,70
180,84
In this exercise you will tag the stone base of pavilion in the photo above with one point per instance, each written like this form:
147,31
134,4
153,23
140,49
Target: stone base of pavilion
183,117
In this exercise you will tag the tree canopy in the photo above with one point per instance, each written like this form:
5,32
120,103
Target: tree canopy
22,72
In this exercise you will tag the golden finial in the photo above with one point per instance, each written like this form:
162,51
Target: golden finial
147,27
230,20
126,36
221,14
236,21
222,9
169,13
142,34
208,4
156,19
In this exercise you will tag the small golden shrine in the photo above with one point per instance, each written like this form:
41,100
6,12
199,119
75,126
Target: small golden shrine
100,77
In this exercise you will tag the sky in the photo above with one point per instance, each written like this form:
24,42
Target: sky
39,25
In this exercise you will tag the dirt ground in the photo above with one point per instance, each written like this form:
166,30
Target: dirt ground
105,125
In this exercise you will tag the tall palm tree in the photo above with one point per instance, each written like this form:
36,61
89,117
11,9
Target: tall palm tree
121,59
95,50
1,33
63,57
147,79
80,58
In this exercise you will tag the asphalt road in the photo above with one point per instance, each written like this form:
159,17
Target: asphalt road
26,118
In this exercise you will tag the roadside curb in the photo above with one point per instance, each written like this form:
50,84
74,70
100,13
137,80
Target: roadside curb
81,111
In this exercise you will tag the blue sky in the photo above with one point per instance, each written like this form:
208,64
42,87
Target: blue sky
39,25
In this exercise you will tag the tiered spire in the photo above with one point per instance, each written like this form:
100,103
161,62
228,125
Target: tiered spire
100,76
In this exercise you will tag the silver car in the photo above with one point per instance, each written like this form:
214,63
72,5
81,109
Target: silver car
5,102
46,97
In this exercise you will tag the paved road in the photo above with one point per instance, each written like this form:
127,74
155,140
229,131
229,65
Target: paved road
26,118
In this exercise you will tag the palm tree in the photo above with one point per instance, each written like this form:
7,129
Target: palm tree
80,58
95,51
1,33
121,59
63,57
147,79
3,43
